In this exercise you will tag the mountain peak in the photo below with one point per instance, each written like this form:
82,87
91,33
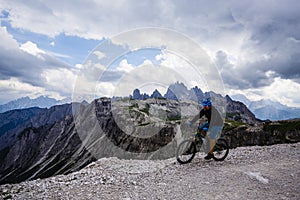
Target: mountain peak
228,98
156,94
241,98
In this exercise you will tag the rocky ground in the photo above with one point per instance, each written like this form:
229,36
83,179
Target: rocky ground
269,172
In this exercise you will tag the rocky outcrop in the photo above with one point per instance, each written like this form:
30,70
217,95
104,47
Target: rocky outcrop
156,94
137,95
178,91
263,134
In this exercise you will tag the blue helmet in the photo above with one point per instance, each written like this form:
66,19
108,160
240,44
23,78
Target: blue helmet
205,129
206,103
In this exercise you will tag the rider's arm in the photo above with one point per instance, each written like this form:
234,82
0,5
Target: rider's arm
202,113
194,119
197,117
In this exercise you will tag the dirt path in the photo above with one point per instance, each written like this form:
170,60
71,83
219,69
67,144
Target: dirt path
271,172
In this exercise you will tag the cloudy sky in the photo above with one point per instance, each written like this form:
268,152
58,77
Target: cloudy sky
58,48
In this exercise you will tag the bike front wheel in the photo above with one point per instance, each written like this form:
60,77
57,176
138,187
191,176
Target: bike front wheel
221,150
186,151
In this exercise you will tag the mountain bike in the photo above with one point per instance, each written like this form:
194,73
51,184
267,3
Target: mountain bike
188,148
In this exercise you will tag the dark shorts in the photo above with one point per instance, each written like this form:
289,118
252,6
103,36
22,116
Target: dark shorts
214,131
202,126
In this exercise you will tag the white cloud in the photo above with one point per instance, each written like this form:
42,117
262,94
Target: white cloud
160,57
31,48
124,66
260,38
7,41
99,54
281,90
145,77
14,84
284,91
60,80
104,89
72,19
182,54
26,70
181,60
189,75
14,88
78,66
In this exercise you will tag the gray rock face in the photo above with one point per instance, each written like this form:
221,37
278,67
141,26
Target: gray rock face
43,151
129,128
16,121
156,94
12,119
263,134
237,111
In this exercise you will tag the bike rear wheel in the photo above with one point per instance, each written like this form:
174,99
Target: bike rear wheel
221,150
186,151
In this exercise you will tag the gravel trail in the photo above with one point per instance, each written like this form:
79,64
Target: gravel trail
257,172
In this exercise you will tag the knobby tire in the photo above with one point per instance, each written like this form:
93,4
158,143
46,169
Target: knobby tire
186,151
221,150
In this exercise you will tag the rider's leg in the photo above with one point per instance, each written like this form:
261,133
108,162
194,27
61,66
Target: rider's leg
214,132
211,145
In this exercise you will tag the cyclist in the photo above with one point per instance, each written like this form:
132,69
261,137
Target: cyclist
214,124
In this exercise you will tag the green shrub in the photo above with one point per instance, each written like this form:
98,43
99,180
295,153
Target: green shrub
282,126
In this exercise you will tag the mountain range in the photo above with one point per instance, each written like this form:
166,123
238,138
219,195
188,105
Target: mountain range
26,102
262,109
176,91
269,110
